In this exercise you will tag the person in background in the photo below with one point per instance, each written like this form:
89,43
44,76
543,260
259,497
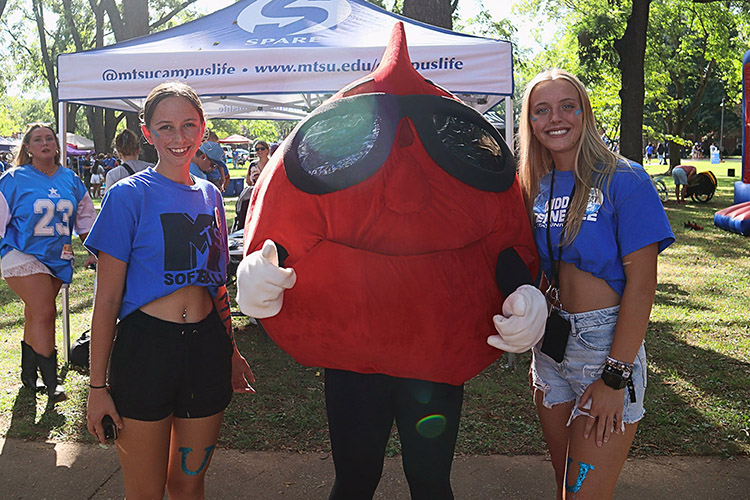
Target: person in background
128,147
682,174
212,137
588,207
97,176
215,155
167,375
41,204
262,150
88,164
109,163
649,152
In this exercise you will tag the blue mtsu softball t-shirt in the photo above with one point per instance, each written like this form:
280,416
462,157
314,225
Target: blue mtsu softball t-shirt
169,234
629,217
38,214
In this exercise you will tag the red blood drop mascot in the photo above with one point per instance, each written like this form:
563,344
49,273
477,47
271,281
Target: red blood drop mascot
380,244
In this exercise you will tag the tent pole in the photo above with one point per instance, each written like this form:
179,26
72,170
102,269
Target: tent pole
61,132
509,125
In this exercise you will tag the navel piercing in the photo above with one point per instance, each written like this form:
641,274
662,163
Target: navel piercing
184,313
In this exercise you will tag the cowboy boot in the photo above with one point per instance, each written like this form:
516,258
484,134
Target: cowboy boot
48,367
28,368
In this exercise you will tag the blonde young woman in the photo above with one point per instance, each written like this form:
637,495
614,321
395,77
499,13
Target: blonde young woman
599,226
41,204
162,244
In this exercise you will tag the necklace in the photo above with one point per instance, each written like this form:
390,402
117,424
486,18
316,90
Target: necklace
46,171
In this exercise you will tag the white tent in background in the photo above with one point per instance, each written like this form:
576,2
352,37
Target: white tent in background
279,60
79,142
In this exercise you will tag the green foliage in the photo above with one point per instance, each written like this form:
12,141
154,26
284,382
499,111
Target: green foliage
693,59
16,113
691,48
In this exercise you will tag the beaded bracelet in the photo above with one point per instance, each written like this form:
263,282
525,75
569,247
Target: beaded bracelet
98,386
619,365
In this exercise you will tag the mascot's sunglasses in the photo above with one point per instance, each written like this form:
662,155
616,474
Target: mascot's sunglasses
345,141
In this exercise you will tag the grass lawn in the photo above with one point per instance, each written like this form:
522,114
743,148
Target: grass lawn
698,397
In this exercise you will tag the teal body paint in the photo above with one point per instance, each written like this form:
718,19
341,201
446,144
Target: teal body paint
583,470
186,451
533,118
155,133
579,111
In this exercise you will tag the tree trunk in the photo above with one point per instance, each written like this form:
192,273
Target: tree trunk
675,155
435,12
632,50
49,65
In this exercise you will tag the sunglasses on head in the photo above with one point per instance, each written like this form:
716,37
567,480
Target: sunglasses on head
346,141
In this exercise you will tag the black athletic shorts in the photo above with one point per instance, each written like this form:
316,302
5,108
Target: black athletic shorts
160,368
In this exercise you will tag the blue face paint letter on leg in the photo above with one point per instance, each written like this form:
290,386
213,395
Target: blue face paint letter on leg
186,451
583,470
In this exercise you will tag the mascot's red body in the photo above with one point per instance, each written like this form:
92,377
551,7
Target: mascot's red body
393,223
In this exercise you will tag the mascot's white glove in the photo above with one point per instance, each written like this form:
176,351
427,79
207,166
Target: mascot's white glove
523,320
261,282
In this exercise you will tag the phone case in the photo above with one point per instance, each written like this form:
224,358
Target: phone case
556,337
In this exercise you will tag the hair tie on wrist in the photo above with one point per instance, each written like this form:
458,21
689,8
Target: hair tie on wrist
98,386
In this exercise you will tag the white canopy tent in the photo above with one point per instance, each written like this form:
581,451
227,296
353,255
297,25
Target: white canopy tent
265,59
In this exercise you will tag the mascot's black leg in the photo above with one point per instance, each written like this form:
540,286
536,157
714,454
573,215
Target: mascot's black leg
511,272
427,415
360,418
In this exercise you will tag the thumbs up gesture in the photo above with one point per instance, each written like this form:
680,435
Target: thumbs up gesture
261,282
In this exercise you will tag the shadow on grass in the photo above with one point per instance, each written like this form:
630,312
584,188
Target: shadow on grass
672,295
288,411
697,399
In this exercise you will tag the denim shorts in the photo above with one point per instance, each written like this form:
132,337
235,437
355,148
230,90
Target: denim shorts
590,339
679,176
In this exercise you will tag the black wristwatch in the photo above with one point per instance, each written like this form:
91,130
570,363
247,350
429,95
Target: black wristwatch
619,377
614,378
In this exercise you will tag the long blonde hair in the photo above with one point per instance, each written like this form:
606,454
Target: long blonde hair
592,155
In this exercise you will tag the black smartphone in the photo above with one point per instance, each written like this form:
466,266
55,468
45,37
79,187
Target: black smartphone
556,336
110,429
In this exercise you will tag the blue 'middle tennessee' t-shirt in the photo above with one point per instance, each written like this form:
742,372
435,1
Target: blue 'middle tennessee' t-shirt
169,234
627,218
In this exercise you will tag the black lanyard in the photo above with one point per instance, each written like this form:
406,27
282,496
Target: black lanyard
556,277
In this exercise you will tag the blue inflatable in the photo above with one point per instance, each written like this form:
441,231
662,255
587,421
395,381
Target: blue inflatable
735,218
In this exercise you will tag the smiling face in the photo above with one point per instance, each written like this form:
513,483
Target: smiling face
262,151
557,120
175,130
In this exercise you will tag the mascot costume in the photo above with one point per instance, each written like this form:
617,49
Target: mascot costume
391,228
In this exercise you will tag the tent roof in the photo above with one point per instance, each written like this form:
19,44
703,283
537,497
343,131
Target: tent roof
79,142
235,139
279,60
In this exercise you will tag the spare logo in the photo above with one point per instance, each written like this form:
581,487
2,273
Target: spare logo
273,20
